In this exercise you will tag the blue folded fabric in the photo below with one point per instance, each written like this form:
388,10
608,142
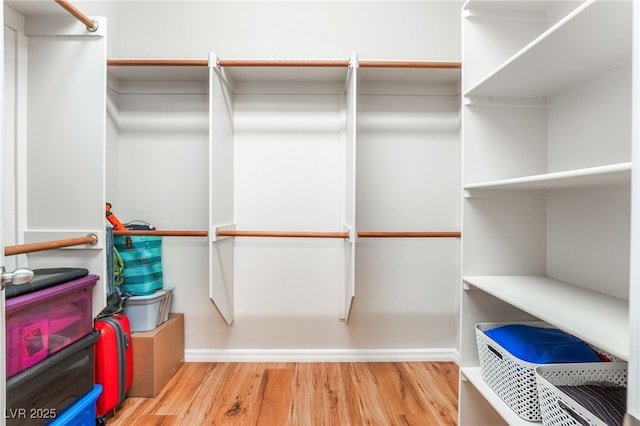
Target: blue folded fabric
540,345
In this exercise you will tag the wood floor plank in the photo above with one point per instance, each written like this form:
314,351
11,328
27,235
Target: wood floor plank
337,400
401,396
351,396
438,402
187,381
274,397
300,394
366,387
304,387
155,420
128,411
236,399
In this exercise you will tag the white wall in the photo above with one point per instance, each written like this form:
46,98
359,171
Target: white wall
289,29
287,290
413,29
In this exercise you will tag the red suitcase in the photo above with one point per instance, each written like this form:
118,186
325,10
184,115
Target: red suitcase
113,362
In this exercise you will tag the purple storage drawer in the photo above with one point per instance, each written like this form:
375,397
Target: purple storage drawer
41,323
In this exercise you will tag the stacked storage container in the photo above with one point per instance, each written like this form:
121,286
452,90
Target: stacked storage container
49,348
145,313
148,301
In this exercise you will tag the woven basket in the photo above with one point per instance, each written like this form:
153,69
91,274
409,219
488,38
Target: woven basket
511,378
559,409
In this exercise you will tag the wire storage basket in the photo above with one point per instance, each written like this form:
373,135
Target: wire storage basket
558,408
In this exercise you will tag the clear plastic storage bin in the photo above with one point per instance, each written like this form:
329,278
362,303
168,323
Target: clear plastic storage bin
41,323
147,312
41,392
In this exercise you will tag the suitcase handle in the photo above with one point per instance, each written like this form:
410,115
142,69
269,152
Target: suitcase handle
126,339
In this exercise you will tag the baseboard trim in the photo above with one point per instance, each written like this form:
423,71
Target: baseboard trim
321,355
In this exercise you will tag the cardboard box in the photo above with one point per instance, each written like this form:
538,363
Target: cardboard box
157,355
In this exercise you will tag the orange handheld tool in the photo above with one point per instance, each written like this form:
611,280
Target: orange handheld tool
113,219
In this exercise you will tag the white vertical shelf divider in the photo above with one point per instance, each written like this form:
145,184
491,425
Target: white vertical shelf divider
221,212
633,390
350,185
65,156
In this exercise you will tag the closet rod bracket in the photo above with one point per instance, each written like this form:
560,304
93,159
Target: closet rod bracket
352,233
94,28
217,228
92,25
214,60
353,60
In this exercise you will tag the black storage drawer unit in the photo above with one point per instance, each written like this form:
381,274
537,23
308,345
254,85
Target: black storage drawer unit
38,394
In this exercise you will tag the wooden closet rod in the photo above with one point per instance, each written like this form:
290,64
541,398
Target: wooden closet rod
91,25
297,234
409,64
49,245
282,234
229,62
436,234
283,63
164,233
364,234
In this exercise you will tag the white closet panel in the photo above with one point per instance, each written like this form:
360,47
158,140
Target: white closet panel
12,194
350,186
221,197
634,280
65,128
66,115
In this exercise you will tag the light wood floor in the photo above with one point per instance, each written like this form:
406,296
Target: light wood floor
301,394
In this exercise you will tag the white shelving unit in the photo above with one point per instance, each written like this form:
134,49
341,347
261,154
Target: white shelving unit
547,172
58,121
249,100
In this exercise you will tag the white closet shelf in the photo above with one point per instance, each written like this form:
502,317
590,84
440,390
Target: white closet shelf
608,175
597,318
585,43
474,376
